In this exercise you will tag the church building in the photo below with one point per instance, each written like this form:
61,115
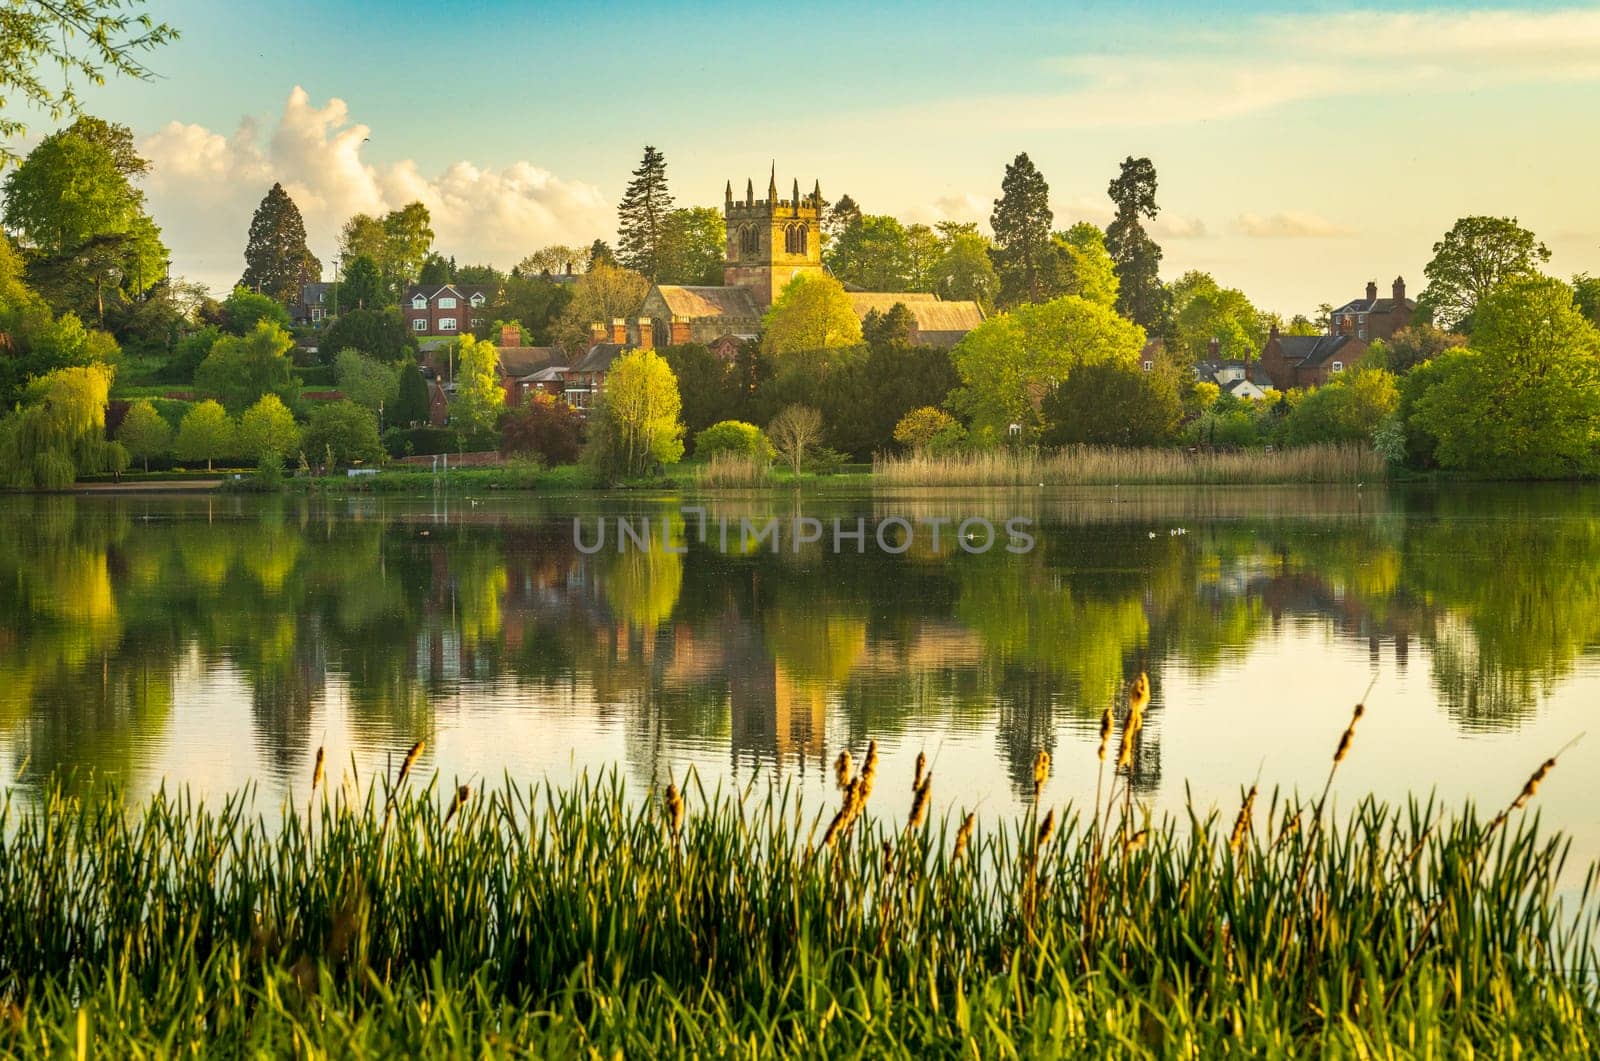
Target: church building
770,242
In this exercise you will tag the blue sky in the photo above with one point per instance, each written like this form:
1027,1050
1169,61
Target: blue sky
1302,149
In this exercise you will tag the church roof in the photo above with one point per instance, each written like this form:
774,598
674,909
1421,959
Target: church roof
939,323
704,302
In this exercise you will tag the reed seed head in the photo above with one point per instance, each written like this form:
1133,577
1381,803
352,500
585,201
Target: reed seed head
1139,694
919,804
841,769
963,836
1047,829
411,760
1041,771
1349,734
922,764
1137,840
463,794
1532,786
1105,732
1241,824
674,804
316,771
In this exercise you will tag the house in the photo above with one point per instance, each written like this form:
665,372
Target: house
438,404
551,381
1240,377
770,242
518,364
1291,361
446,310
1373,317
315,305
586,380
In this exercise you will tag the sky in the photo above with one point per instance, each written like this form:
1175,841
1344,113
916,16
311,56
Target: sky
1302,149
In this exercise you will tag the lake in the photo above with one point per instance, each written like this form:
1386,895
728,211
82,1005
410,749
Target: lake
217,641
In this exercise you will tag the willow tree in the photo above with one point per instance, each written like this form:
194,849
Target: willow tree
59,432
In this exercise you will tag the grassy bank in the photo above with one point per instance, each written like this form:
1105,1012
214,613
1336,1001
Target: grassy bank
579,922
1093,465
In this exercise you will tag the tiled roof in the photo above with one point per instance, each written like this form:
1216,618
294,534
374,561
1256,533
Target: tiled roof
599,357
432,291
1311,349
705,302
938,323
518,361
1376,305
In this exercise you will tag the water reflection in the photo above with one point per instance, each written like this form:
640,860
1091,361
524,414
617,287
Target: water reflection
416,614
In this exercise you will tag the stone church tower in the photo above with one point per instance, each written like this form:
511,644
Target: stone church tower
771,240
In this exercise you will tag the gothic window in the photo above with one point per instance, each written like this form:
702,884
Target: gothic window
794,239
749,242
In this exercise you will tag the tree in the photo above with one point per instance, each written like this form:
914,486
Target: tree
412,405
144,433
206,434
930,430
600,254
693,243
277,262
1011,361
536,304
342,433
117,139
239,370
1524,400
266,429
840,216
83,37
1586,293
602,294
1087,268
707,385
1112,403
873,253
964,271
733,437
1021,224
1203,310
864,397
642,216
810,313
408,236
370,383
243,310
545,427
1471,261
362,286
437,270
377,333
483,275
58,433
1140,296
794,431
1410,347
635,425
923,251
1348,409
479,395
554,260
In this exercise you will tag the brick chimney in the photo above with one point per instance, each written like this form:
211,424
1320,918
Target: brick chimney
647,333
619,331
1214,349
597,333
1399,289
510,335
1272,333
1372,290
680,330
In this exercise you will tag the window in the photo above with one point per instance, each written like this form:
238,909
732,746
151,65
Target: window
1149,365
447,324
749,241
447,303
1361,333
477,300
420,324
794,238
477,322
419,302
1338,366
316,313
322,296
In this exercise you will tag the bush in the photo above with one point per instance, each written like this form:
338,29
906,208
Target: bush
342,433
420,441
929,430
545,427
733,437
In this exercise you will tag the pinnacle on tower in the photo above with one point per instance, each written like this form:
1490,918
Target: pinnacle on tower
816,194
772,184
795,202
729,193
749,192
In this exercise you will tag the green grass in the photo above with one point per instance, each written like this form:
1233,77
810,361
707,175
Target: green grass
584,922
1084,465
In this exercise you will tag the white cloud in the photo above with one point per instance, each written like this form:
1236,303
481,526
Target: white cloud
1290,224
1259,64
205,185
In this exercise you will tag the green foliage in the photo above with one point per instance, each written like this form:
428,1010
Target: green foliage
1349,408
810,313
58,433
1472,259
864,397
267,429
1011,361
368,382
1140,294
930,430
341,433
1087,269
1586,295
1410,347
708,385
694,241
397,243
479,395
602,294
240,369
642,217
1024,257
1524,401
872,253
1113,403
243,310
412,405
543,427
277,261
1202,310
635,426
206,433
420,441
191,351
377,333
733,437
144,433
362,286
965,271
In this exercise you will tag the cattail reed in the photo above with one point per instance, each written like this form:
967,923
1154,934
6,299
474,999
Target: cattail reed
1047,829
869,770
916,778
1349,734
1138,699
1137,840
963,837
674,808
463,793
841,769
1041,773
316,771
410,760
1105,732
919,804
1241,824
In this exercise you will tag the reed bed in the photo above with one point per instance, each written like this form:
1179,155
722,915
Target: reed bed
580,921
1102,465
733,470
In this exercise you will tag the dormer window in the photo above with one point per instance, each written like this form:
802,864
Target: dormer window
419,302
446,302
477,300
1338,366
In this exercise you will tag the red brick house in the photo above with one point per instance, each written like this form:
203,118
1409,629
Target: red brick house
586,380
1291,361
444,310
1373,317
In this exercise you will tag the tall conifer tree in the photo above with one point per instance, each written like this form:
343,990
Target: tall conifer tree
1023,257
1141,297
277,260
642,215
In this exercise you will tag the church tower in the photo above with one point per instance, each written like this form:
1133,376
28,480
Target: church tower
772,240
